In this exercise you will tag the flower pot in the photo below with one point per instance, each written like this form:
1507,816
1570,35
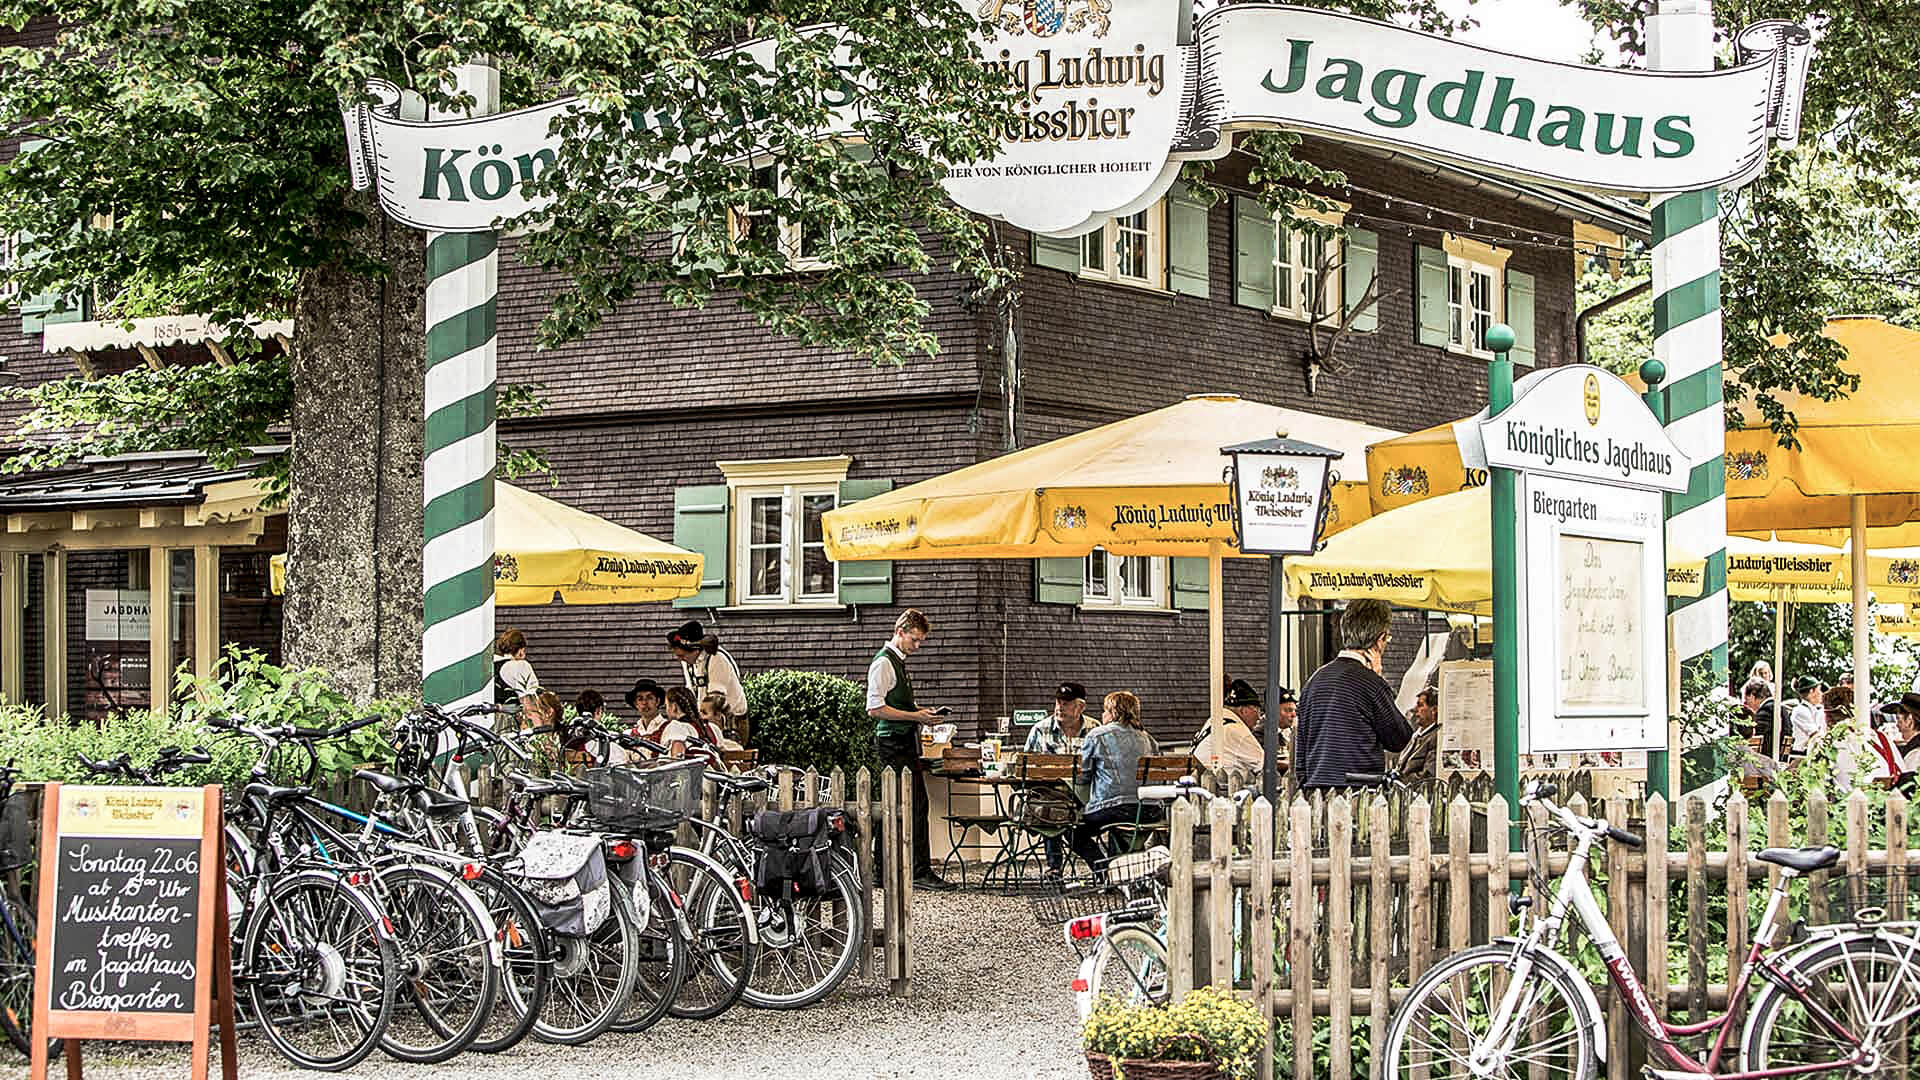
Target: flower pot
1100,1067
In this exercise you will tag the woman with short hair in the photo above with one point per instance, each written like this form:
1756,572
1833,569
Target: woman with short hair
1110,763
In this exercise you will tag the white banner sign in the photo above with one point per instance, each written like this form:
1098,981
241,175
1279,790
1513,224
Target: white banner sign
1279,501
1111,104
1583,421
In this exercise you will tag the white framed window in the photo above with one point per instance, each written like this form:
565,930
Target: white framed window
1125,581
778,548
1306,282
1473,305
9,251
1130,250
804,250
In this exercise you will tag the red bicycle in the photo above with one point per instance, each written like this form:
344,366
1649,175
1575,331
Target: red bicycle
1840,1000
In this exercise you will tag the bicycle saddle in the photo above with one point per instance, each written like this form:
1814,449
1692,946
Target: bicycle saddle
391,785
742,784
277,796
1805,860
439,804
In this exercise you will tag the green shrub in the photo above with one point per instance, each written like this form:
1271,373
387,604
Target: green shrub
243,684
49,750
810,719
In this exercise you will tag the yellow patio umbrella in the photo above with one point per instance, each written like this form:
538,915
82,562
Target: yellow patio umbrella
1153,484
1904,623
1852,468
1348,505
546,547
1436,554
1408,468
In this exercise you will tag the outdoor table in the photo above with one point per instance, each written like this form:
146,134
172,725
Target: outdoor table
1003,786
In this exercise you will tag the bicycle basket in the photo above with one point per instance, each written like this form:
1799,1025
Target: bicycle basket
644,799
1062,902
1879,895
1137,866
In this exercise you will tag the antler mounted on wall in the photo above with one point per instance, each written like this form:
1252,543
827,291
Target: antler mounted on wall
1323,356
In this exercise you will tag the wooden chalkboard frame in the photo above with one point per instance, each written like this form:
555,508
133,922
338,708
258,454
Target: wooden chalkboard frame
213,962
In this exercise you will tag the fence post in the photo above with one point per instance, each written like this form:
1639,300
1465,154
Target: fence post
1180,921
1340,931
783,788
890,872
903,861
870,828
1657,901
1736,812
1816,836
1897,901
1459,874
809,789
1300,933
1260,914
1777,835
1697,907
1856,835
1220,893
1419,888
1617,918
1380,892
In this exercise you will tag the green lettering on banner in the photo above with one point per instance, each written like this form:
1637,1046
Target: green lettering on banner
1297,56
1400,99
440,170
1569,130
1505,104
1342,84
1603,140
1467,103
1675,130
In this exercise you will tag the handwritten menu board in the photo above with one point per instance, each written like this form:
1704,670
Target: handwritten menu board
1600,630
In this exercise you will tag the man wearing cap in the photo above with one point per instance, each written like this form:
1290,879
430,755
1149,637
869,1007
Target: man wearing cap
1059,733
897,719
1809,717
1231,744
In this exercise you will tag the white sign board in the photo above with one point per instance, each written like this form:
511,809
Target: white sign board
1592,617
1466,716
118,615
1584,422
1279,501
1111,104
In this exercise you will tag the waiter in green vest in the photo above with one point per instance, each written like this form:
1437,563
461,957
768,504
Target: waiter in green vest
896,731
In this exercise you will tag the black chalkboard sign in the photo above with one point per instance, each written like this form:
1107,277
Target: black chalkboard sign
127,925
132,935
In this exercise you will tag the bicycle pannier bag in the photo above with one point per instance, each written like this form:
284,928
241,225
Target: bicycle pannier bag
796,853
566,875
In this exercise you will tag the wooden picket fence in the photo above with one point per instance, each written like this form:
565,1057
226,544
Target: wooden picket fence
1352,899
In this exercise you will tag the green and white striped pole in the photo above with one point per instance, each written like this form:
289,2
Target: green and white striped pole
457,562
1686,340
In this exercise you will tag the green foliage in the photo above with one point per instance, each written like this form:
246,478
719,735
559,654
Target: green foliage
1621,337
1207,1025
243,684
1819,641
47,750
810,720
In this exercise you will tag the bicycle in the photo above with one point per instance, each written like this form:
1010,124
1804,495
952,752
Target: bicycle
1117,923
1520,1007
17,930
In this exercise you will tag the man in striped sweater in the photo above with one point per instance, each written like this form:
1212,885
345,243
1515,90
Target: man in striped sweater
1348,718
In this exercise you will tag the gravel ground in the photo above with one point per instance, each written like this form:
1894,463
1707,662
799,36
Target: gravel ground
989,999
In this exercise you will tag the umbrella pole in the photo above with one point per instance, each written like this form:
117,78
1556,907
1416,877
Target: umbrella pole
1862,668
1779,665
1216,636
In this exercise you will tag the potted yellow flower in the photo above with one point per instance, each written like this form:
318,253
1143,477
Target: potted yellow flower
1208,1035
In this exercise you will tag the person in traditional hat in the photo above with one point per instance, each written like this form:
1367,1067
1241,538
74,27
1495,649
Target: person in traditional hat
645,699
1809,715
1231,744
1059,733
1906,719
708,668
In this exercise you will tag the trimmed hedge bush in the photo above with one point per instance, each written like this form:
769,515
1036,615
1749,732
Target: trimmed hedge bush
810,720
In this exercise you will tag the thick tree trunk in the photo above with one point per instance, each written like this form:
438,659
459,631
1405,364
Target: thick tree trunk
355,520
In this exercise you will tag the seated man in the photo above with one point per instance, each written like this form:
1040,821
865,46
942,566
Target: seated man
1417,761
1231,744
1051,811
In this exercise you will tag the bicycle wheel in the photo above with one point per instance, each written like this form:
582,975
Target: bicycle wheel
16,975
1444,1020
449,980
321,971
808,947
593,975
1868,983
725,941
524,963
1132,965
663,955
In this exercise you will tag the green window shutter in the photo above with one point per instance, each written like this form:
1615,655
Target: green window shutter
1059,581
1253,248
1188,578
1430,280
1057,253
869,582
700,524
1361,263
1186,242
1519,315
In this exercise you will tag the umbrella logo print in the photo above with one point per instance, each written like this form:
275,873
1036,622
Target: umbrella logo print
1747,465
1904,572
506,567
1404,480
1070,517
